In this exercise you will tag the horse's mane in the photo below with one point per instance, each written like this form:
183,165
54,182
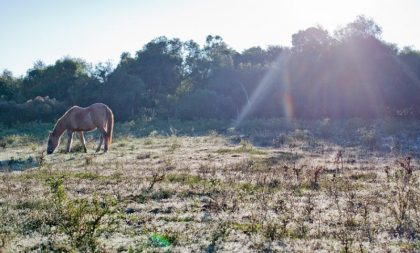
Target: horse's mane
58,125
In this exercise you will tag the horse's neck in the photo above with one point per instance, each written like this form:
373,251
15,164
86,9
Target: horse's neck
59,128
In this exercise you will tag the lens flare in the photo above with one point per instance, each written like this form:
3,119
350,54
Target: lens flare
263,86
287,101
288,105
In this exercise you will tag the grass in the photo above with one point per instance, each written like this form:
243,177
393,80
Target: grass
179,190
246,147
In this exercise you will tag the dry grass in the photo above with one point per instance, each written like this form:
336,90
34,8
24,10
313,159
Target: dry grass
204,194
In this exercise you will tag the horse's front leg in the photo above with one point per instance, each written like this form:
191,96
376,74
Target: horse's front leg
82,140
70,139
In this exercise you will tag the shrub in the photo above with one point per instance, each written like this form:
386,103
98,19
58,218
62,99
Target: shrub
79,219
368,137
37,109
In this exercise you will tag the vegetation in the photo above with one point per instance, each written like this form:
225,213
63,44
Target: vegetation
307,148
174,192
351,73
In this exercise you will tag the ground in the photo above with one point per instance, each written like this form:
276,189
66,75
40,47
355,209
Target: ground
258,190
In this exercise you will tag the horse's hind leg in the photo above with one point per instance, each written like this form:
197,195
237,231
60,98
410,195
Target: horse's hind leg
82,140
70,139
101,139
104,137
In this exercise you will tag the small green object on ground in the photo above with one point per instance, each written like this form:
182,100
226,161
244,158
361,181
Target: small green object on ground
159,241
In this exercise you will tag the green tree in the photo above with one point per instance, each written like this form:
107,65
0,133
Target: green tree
56,80
159,66
9,86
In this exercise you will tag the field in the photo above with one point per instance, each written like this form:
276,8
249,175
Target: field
267,186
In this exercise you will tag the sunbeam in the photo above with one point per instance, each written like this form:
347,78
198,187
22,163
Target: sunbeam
263,86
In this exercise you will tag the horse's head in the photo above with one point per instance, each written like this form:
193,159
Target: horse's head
53,142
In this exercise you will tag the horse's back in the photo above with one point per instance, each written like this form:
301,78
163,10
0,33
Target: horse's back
74,108
99,113
86,118
98,106
80,119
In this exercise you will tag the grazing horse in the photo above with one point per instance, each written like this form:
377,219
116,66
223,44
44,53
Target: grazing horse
78,119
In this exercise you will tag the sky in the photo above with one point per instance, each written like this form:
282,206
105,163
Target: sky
100,30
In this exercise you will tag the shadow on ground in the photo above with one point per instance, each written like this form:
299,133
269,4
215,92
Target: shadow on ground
19,164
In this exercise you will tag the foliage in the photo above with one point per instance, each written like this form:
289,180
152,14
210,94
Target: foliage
350,73
79,219
251,199
37,109
204,104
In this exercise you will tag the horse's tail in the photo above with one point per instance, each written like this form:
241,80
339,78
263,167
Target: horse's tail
109,125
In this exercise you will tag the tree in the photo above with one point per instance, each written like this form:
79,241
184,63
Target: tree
102,71
362,27
126,94
9,86
311,39
56,80
352,73
159,66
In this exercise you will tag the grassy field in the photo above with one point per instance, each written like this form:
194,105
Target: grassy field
267,186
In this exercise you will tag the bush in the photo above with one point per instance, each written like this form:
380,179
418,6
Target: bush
79,219
38,109
368,137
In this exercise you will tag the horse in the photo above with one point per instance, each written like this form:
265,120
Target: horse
77,119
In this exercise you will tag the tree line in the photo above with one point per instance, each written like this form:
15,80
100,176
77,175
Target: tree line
350,73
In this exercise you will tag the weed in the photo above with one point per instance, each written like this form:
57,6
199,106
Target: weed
406,165
246,147
318,170
388,173
40,159
143,156
88,175
79,219
148,142
155,178
89,160
403,206
219,234
370,176
174,145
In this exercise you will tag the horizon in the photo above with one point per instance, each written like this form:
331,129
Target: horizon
101,31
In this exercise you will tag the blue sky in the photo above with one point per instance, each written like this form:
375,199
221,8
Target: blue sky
98,31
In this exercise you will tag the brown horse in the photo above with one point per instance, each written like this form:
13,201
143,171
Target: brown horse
78,119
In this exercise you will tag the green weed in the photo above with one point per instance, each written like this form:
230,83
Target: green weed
79,219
